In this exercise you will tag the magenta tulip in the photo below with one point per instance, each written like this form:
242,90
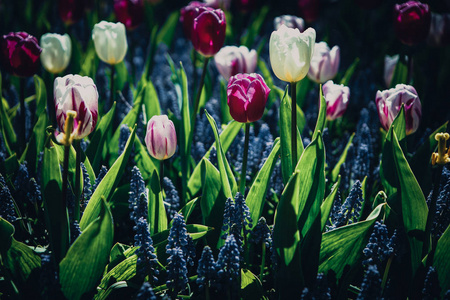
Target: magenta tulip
336,96
389,102
412,22
189,13
208,32
20,53
129,12
247,96
161,137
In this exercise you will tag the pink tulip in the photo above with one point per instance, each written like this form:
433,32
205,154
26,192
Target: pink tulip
412,22
337,96
324,63
208,32
231,60
189,13
161,137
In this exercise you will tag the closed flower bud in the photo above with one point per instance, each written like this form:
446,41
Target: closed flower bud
71,11
291,52
208,32
20,53
56,52
247,96
324,63
79,94
161,137
231,60
389,102
439,34
110,41
290,22
129,12
389,67
189,13
412,22
336,96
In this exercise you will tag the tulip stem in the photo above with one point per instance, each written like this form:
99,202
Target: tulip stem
410,68
77,147
200,87
294,124
111,96
22,112
161,173
64,188
244,160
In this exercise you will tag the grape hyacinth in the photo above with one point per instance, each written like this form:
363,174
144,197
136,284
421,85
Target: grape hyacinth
261,233
123,137
75,231
21,182
7,210
378,248
206,269
34,193
179,238
371,285
146,292
320,290
48,279
350,209
172,200
100,177
147,262
228,262
138,196
236,218
442,215
431,289
176,271
87,190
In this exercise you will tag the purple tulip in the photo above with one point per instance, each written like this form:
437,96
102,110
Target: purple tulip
208,32
337,96
290,22
231,60
129,12
189,13
324,63
389,102
247,96
161,137
412,22
76,93
20,53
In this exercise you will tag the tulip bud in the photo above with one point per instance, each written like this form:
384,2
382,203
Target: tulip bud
290,22
439,34
208,33
161,137
336,96
324,63
389,102
247,96
20,53
79,94
188,14
290,52
412,22
231,60
71,11
110,41
389,67
309,9
129,12
56,52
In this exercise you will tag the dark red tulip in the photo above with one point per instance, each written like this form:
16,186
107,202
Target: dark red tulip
247,97
71,11
208,33
189,13
309,9
368,4
129,12
20,53
412,22
245,6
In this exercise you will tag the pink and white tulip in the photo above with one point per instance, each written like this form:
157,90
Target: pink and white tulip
389,67
324,63
337,97
389,103
161,137
231,60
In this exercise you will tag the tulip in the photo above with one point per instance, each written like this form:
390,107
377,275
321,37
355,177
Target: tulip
223,4
412,22
247,97
129,12
336,96
309,9
291,52
20,53
56,52
161,137
189,13
79,94
71,11
290,22
324,63
231,60
208,32
389,67
389,102
439,34
110,41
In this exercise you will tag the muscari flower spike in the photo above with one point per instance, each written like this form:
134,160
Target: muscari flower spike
431,289
100,177
179,238
320,290
371,285
206,269
378,249
147,262
228,261
176,270
7,211
146,292
138,196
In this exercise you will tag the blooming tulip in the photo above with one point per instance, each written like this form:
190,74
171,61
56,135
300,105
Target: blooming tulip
336,96
208,32
247,96
110,41
324,63
291,52
412,22
189,13
71,11
389,67
290,22
389,102
56,52
129,12
20,53
231,60
161,137
79,94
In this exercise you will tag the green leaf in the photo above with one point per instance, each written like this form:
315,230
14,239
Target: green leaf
255,28
441,261
337,167
187,210
151,102
21,261
224,109
41,95
276,93
256,197
9,135
121,76
229,185
400,74
327,204
36,143
349,73
322,117
167,32
107,185
6,236
91,61
157,217
86,259
143,160
251,287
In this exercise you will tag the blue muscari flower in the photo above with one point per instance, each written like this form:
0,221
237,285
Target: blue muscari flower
204,135
176,270
146,292
236,218
87,191
371,285
431,288
147,262
351,208
123,137
320,290
228,214
442,215
48,279
364,155
276,185
206,269
242,217
75,231
179,238
21,183
172,200
138,196
261,233
7,210
34,192
228,261
100,177
378,249
84,144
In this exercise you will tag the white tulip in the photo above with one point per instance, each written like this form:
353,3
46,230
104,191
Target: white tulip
110,41
56,52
